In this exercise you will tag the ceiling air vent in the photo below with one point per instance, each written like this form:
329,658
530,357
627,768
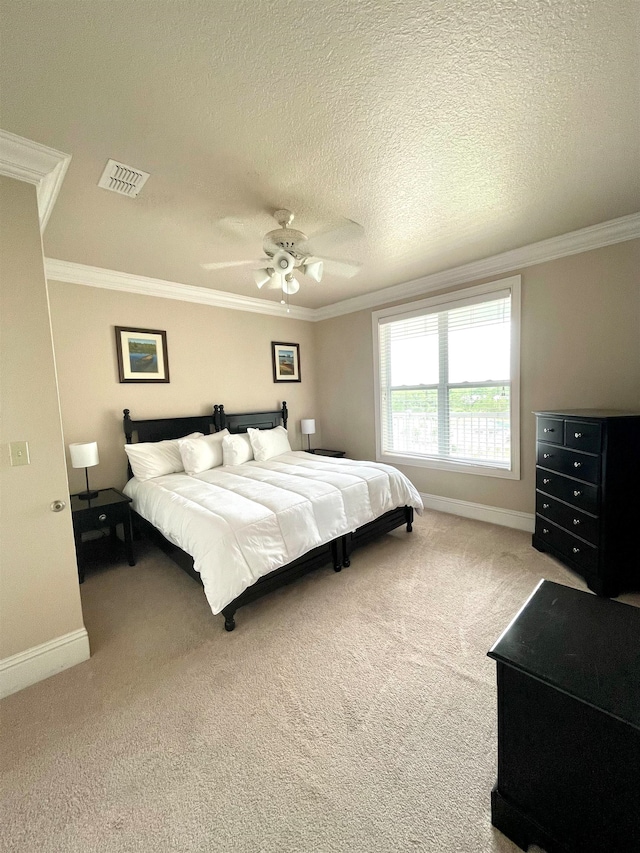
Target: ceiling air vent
122,179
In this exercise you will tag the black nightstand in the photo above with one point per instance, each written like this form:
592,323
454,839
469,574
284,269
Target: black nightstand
319,451
108,509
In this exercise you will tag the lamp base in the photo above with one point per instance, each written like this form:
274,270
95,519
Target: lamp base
86,496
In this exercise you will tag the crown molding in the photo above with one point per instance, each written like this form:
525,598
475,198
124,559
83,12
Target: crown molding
111,280
37,164
593,237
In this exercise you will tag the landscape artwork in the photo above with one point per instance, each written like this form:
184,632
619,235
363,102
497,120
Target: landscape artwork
142,355
286,361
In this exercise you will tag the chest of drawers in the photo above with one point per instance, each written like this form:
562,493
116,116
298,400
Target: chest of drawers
588,495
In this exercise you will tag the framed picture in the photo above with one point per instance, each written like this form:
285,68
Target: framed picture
142,355
286,362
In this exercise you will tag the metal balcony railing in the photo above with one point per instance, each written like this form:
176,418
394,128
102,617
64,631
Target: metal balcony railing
477,436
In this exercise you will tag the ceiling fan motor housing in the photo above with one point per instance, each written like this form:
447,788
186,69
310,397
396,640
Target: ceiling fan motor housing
286,239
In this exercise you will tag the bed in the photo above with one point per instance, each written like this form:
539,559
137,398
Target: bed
252,525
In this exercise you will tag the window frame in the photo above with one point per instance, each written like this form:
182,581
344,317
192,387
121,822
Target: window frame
434,305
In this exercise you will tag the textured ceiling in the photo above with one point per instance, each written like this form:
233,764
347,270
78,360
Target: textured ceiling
451,131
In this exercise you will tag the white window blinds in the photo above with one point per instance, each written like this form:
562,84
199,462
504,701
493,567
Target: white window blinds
445,381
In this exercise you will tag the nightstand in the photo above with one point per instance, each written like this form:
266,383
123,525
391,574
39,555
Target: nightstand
108,509
319,451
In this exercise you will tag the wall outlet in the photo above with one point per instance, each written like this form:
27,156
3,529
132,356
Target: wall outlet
19,451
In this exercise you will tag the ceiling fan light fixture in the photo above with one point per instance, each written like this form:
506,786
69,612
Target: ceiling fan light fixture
313,269
290,285
261,277
283,262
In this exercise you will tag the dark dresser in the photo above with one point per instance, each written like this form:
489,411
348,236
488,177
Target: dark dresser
568,673
588,495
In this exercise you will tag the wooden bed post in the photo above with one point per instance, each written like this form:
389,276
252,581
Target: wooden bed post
218,418
285,414
128,425
228,613
409,510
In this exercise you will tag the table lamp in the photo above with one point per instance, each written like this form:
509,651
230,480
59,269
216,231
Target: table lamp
308,428
84,454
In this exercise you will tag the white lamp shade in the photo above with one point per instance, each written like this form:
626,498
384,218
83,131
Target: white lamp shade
308,426
290,287
84,454
261,277
313,269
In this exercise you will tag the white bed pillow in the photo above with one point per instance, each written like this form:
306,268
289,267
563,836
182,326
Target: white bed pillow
268,442
201,454
236,449
150,459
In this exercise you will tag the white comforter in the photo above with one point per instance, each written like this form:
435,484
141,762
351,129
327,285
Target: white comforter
239,523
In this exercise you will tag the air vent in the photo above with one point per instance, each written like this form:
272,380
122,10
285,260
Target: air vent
122,179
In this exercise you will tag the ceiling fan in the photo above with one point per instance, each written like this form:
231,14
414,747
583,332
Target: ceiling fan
289,252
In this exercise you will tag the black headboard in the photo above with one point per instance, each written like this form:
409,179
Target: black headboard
158,429
257,420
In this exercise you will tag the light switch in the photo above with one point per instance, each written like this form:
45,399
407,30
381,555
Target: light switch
19,451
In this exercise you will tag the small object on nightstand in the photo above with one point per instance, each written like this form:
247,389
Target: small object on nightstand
108,509
308,428
319,451
85,455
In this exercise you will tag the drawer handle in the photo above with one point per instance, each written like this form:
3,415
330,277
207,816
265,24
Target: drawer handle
545,529
546,481
577,464
102,517
548,429
546,456
576,550
577,435
545,506
576,521
576,493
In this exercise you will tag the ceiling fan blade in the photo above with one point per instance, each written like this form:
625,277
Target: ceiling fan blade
221,265
333,235
238,228
345,269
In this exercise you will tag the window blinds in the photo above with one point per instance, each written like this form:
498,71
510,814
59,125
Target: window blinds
428,360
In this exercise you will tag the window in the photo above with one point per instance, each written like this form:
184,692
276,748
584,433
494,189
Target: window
447,381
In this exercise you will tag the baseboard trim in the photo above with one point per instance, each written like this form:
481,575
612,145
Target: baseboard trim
40,662
481,512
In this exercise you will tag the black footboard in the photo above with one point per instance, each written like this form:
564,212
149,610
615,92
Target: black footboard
336,552
384,524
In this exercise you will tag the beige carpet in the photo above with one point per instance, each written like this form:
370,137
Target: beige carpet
350,712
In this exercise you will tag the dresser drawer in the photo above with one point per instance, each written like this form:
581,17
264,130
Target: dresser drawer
583,435
569,462
94,518
581,495
583,555
551,430
572,519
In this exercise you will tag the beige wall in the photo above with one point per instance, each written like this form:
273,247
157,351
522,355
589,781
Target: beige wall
580,348
39,593
216,355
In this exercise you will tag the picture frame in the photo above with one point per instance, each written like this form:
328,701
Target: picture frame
286,362
142,354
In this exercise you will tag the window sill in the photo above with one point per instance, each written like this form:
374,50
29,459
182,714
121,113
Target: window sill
448,465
